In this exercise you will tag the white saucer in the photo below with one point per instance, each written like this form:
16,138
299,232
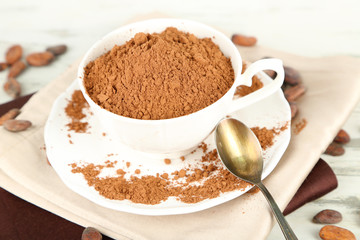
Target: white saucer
93,147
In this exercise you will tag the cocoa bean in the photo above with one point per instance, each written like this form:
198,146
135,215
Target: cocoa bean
57,50
243,40
271,73
292,76
11,114
3,66
12,87
330,232
13,54
40,59
16,69
328,216
91,233
334,149
13,125
294,109
342,137
294,92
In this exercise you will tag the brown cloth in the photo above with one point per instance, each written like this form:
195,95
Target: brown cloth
320,181
21,220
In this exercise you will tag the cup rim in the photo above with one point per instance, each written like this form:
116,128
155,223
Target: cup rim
83,63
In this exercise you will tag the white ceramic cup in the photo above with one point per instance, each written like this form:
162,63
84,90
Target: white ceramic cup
177,136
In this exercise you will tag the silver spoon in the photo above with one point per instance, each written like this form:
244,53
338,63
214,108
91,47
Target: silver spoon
241,153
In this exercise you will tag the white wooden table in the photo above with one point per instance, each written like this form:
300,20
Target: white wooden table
310,28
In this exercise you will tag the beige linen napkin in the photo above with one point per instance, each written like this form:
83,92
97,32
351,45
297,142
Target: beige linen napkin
333,90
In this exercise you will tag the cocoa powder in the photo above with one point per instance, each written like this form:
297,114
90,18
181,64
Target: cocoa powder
159,76
243,90
266,136
299,126
182,184
155,189
74,110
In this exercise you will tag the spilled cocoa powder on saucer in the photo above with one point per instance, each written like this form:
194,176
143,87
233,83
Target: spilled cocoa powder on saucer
243,90
153,189
159,76
190,184
74,110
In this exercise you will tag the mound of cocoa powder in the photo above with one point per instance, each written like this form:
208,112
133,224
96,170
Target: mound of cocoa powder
159,76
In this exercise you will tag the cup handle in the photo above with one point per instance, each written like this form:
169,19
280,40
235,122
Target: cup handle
268,89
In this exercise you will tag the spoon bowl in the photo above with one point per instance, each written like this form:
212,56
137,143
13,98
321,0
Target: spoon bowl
239,150
241,153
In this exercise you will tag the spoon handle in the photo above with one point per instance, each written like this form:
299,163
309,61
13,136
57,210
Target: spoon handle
284,225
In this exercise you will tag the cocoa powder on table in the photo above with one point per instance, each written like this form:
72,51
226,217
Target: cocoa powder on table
299,126
159,76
